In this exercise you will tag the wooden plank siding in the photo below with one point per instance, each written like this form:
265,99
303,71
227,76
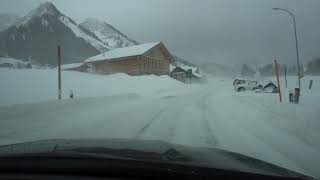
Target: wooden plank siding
152,65
161,54
129,65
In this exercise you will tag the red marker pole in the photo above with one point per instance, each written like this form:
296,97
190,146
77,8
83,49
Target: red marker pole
277,75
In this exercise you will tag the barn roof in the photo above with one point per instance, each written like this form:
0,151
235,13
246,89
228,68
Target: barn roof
72,65
123,52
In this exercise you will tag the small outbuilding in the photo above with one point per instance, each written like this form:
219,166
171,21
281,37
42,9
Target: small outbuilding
183,72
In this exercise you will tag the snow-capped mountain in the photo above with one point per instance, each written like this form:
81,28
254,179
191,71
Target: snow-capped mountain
48,9
110,36
6,20
35,37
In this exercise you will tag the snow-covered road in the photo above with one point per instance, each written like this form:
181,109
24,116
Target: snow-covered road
210,115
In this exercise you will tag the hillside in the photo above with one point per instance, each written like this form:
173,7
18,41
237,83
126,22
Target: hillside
110,36
35,37
7,20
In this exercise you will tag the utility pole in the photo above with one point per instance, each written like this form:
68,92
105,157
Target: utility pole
296,39
59,72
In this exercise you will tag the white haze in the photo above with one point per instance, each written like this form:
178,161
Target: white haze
223,31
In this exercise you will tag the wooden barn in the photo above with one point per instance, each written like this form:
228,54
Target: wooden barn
150,58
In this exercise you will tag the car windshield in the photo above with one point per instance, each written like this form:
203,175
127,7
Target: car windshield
235,75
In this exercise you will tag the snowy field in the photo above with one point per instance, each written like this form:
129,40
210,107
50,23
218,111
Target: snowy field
152,107
36,85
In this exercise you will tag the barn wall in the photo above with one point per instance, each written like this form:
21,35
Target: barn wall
156,61
82,68
129,65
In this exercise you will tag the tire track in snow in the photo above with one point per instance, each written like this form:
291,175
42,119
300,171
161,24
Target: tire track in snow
281,117
166,120
275,137
235,136
175,117
202,104
148,125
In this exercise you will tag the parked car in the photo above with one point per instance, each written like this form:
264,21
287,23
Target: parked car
243,85
235,81
265,86
268,87
238,81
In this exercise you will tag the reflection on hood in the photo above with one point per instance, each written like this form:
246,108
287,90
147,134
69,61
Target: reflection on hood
148,150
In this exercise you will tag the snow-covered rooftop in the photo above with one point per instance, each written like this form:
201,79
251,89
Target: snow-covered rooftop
9,60
185,67
123,52
69,66
171,67
194,69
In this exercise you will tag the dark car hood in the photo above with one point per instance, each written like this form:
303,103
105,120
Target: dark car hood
146,150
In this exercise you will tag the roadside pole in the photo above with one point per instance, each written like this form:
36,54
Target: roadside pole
59,72
277,76
310,84
189,73
285,75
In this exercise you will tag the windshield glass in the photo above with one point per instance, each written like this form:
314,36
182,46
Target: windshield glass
236,75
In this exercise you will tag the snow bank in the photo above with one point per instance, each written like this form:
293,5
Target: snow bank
307,96
257,125
34,85
160,108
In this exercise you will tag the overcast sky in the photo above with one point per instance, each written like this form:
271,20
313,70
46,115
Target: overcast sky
223,31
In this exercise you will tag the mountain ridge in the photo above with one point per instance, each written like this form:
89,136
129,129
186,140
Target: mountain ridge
7,20
107,33
35,36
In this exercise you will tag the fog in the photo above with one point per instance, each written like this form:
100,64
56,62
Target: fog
222,31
